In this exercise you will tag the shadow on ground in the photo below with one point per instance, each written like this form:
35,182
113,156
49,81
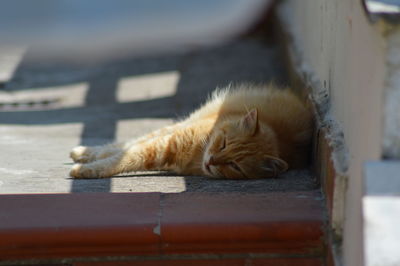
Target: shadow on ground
200,72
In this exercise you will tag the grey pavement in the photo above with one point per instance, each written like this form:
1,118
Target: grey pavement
48,107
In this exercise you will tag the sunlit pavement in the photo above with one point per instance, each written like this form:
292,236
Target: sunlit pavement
47,108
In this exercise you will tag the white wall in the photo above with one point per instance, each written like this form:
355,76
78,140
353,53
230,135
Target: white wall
344,53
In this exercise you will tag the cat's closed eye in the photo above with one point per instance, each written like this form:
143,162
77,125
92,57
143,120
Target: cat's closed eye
223,145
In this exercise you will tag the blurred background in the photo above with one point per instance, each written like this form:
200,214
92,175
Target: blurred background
93,30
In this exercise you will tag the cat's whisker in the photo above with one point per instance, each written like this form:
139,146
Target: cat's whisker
246,108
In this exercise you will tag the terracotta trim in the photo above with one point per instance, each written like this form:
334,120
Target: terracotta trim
109,224
289,222
57,225
213,262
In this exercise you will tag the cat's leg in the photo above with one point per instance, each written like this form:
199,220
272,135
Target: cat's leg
179,151
149,155
86,154
97,169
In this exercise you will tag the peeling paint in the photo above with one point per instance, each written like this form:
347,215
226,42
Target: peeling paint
335,136
157,229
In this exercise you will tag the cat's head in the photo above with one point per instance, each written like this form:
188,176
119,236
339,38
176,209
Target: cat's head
242,148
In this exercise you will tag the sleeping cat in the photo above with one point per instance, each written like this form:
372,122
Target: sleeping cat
243,131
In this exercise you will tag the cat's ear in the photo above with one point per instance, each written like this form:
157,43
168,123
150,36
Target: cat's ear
249,122
274,166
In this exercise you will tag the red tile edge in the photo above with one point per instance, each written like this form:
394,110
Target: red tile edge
212,262
76,242
270,238
89,224
281,222
126,224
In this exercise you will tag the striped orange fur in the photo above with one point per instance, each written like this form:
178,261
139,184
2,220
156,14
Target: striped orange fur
242,131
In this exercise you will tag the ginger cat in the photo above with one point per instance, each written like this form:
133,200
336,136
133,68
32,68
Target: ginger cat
242,131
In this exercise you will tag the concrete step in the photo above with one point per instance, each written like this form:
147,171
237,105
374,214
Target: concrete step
275,228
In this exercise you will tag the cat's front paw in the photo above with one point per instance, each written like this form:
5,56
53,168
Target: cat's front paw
81,154
81,171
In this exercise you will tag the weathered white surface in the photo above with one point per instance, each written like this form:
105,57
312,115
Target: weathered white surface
381,209
379,6
343,56
382,231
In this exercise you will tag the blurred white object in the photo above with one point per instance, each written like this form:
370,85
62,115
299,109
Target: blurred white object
381,210
109,28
